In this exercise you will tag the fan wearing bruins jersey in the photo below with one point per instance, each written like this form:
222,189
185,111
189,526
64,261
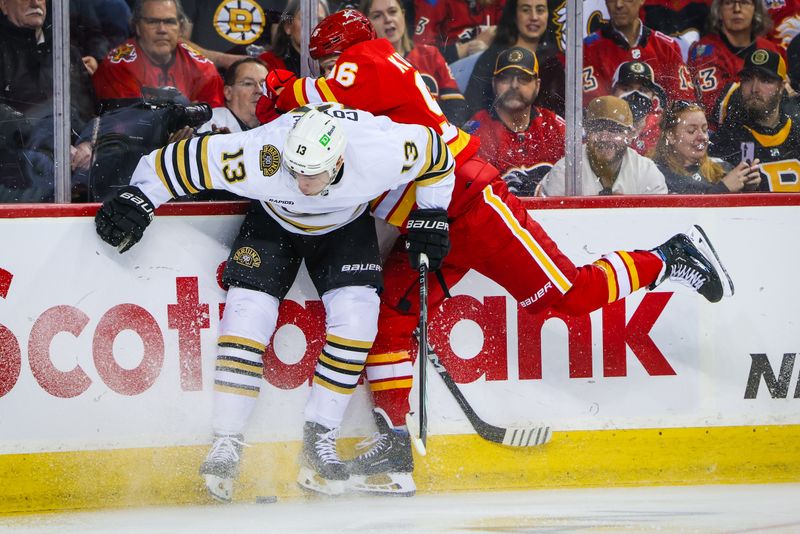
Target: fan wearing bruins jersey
756,127
315,191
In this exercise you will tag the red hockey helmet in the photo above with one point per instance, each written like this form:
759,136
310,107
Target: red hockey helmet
339,31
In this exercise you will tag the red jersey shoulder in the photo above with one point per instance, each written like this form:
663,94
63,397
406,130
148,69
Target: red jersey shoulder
194,55
124,53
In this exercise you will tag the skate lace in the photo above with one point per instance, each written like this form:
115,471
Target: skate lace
687,276
326,447
225,449
372,445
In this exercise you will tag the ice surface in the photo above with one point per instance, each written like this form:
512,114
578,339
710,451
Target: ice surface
773,508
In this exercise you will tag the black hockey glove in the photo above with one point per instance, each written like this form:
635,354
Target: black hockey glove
428,233
121,220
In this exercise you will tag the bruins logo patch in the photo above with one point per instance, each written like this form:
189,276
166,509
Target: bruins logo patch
239,21
126,53
269,159
247,257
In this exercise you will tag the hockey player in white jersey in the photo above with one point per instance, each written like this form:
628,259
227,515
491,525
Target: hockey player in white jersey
312,173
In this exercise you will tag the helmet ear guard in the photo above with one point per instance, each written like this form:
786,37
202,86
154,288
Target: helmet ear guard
315,145
339,31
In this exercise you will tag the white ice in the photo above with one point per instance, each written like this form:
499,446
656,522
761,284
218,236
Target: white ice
773,508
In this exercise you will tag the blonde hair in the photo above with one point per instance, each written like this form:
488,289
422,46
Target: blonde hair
665,154
405,41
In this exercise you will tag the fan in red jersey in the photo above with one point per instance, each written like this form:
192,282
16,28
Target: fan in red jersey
625,38
459,28
523,141
157,58
736,30
490,232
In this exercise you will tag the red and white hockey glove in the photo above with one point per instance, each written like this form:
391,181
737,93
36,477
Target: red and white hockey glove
271,88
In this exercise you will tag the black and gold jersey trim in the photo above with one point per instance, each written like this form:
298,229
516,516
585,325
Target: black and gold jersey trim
438,161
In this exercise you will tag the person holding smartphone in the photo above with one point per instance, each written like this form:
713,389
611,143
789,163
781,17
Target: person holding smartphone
681,154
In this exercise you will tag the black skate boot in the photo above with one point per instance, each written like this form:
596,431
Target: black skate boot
387,465
691,260
321,470
222,465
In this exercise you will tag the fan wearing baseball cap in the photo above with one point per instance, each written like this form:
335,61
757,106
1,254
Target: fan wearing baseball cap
522,140
609,165
757,127
635,83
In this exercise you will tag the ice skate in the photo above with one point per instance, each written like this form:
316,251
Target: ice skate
222,465
691,260
386,465
321,470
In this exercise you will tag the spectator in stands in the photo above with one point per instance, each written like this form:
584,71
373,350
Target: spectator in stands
682,156
388,19
242,91
609,166
523,23
458,28
26,98
97,26
225,32
285,53
761,129
735,29
157,58
634,82
625,38
520,139
785,15
683,20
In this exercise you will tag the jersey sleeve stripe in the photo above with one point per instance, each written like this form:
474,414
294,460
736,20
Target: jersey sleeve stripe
440,163
299,93
184,164
161,166
327,94
176,178
202,162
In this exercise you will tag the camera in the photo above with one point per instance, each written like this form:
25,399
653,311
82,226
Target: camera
129,129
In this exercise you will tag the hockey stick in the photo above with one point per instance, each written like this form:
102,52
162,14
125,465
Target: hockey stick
419,429
510,436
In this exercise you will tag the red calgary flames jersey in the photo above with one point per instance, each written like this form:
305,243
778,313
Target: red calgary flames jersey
373,77
604,50
126,69
443,22
523,158
714,66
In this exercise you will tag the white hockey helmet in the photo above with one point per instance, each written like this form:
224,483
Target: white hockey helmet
315,145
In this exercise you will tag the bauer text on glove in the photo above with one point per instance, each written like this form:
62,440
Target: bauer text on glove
122,219
429,234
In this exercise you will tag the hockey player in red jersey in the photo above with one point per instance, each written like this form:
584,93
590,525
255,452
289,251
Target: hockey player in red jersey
513,250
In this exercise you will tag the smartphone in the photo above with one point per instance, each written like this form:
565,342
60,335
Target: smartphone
748,152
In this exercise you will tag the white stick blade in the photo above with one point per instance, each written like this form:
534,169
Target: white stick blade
413,431
527,437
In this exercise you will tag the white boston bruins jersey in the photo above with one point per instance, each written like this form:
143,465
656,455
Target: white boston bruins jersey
380,155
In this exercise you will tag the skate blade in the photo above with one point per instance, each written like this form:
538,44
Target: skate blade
309,479
707,248
388,484
221,489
